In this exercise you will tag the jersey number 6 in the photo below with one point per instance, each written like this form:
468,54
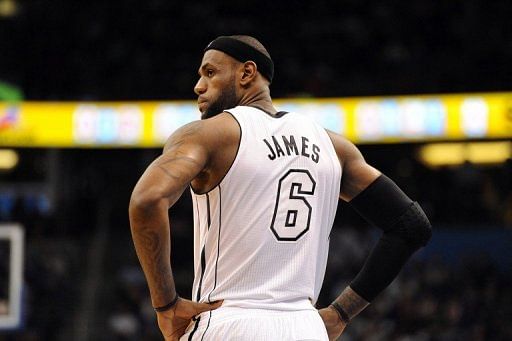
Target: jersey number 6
292,212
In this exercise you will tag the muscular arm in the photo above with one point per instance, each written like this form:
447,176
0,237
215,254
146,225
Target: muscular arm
382,203
357,175
185,156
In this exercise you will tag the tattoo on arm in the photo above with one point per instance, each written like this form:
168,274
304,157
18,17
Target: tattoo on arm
179,160
153,252
179,171
181,135
175,162
351,302
169,173
159,187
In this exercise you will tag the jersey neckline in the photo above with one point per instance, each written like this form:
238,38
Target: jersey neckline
278,114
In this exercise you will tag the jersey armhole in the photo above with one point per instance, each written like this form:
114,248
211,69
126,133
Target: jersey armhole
235,159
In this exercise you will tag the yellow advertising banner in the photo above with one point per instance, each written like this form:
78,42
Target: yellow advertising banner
362,120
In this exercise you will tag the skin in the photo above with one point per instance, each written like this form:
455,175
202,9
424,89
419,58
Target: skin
200,154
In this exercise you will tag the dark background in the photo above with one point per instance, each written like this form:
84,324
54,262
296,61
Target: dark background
69,50
82,278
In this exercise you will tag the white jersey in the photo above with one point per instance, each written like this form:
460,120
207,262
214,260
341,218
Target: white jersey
262,235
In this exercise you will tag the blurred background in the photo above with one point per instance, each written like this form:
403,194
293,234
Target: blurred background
90,90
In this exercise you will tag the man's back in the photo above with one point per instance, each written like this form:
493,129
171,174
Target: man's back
264,213
262,233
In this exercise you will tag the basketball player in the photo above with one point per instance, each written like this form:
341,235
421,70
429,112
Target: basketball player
265,186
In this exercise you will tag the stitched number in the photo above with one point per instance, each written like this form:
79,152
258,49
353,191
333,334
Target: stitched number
292,212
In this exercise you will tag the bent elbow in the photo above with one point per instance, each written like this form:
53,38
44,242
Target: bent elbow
416,228
144,200
426,234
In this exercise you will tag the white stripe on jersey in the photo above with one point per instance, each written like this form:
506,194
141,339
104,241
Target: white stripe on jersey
262,235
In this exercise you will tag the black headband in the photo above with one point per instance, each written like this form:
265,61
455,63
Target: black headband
243,52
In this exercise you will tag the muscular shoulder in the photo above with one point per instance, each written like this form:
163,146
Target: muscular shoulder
345,149
209,134
209,143
357,174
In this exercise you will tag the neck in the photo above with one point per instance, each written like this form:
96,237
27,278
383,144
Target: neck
260,99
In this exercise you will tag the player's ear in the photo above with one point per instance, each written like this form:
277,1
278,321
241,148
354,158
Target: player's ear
249,71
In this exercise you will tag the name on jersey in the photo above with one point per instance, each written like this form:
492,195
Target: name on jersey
289,146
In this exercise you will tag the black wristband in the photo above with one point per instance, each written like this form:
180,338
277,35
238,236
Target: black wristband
168,305
341,313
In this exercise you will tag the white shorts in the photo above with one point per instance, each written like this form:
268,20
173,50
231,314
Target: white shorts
237,324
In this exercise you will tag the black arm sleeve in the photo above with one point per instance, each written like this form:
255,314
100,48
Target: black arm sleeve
406,228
